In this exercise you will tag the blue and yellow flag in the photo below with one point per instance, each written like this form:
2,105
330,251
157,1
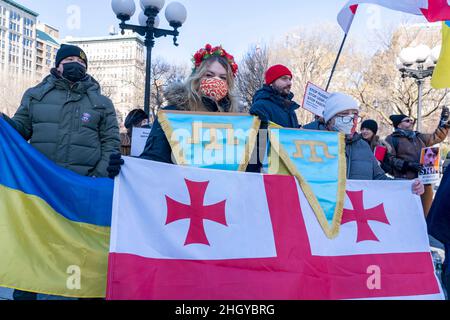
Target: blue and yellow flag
54,224
441,74
210,140
317,160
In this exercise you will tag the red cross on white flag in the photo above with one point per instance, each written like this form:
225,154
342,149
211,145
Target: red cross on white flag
237,236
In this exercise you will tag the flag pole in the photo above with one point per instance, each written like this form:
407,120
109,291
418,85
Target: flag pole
336,62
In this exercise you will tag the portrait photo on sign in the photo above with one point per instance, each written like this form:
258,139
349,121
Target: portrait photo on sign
429,159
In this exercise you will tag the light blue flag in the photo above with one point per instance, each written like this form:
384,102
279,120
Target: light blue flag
317,159
210,140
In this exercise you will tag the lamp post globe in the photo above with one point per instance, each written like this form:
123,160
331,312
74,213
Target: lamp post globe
435,53
422,53
176,14
148,28
399,64
123,9
418,64
429,63
408,56
157,4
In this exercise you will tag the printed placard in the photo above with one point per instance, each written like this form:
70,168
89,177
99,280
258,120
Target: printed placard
138,140
315,99
429,159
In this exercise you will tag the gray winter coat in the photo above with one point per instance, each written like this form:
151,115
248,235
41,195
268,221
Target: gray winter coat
361,162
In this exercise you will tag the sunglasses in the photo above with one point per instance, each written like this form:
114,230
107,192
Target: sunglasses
408,121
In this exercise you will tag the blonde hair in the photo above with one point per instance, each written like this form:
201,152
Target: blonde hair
193,85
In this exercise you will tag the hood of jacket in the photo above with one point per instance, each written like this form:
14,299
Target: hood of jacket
54,80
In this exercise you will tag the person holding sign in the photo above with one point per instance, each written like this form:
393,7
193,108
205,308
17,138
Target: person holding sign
341,114
210,88
407,146
137,118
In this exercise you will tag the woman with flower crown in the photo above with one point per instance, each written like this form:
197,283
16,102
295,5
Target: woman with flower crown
210,88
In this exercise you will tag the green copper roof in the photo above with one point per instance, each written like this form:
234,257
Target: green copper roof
45,37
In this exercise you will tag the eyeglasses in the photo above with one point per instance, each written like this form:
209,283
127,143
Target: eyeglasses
348,119
409,121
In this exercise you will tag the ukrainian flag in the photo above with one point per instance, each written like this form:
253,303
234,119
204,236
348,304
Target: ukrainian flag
54,224
441,75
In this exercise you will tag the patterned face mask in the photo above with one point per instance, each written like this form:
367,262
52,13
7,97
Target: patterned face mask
214,88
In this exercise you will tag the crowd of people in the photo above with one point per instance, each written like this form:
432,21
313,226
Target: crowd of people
67,119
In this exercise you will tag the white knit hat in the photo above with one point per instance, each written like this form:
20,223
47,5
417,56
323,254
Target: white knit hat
338,102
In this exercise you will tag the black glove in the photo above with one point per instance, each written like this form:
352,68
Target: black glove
445,115
115,162
413,166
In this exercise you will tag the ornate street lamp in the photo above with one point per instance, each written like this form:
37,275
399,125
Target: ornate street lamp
418,63
148,27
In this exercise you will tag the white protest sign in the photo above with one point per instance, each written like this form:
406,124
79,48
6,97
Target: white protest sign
315,99
138,141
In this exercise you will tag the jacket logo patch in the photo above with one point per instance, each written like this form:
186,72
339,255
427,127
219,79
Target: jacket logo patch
86,117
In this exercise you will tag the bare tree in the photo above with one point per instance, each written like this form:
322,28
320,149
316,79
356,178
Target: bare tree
162,75
310,54
250,77
382,90
12,88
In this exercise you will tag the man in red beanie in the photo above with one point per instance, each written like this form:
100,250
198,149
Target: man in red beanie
273,103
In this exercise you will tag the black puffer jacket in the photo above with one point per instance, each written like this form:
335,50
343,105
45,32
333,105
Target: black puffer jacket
270,106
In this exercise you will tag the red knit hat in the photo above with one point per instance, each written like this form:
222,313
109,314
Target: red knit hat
276,72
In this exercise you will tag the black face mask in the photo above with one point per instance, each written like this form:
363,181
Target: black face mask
73,71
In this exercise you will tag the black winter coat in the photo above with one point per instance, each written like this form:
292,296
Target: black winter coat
269,105
439,216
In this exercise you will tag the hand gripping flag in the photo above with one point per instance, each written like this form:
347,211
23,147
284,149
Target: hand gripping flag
441,74
432,10
182,233
210,140
54,224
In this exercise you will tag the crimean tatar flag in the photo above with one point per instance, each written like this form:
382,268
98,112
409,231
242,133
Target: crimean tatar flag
210,140
54,224
432,10
441,74
184,233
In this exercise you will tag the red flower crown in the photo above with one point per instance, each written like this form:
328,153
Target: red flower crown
208,51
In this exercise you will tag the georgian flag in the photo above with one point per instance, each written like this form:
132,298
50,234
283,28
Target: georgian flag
432,10
182,233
